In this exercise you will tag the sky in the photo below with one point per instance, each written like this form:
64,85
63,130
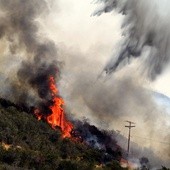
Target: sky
70,23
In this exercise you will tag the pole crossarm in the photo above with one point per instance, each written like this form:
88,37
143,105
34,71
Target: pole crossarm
130,126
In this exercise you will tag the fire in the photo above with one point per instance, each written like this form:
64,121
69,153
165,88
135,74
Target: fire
57,117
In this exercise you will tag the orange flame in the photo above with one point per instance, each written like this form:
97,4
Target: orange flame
57,117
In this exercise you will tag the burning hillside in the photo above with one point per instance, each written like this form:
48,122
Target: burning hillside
28,143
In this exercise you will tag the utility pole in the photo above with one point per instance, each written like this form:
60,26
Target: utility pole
131,125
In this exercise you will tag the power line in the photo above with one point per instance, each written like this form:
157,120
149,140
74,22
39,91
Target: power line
163,142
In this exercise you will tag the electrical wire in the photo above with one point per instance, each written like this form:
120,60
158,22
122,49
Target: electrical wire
150,139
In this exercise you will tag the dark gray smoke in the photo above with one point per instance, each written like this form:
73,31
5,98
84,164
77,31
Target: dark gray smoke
146,33
28,59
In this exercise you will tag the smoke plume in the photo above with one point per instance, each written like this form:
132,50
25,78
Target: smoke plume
145,31
28,59
108,103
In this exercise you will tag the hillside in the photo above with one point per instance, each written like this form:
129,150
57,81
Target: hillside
27,143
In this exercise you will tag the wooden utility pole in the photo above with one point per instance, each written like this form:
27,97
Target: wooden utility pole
131,125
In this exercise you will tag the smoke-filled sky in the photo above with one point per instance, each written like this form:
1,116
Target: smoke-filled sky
74,23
